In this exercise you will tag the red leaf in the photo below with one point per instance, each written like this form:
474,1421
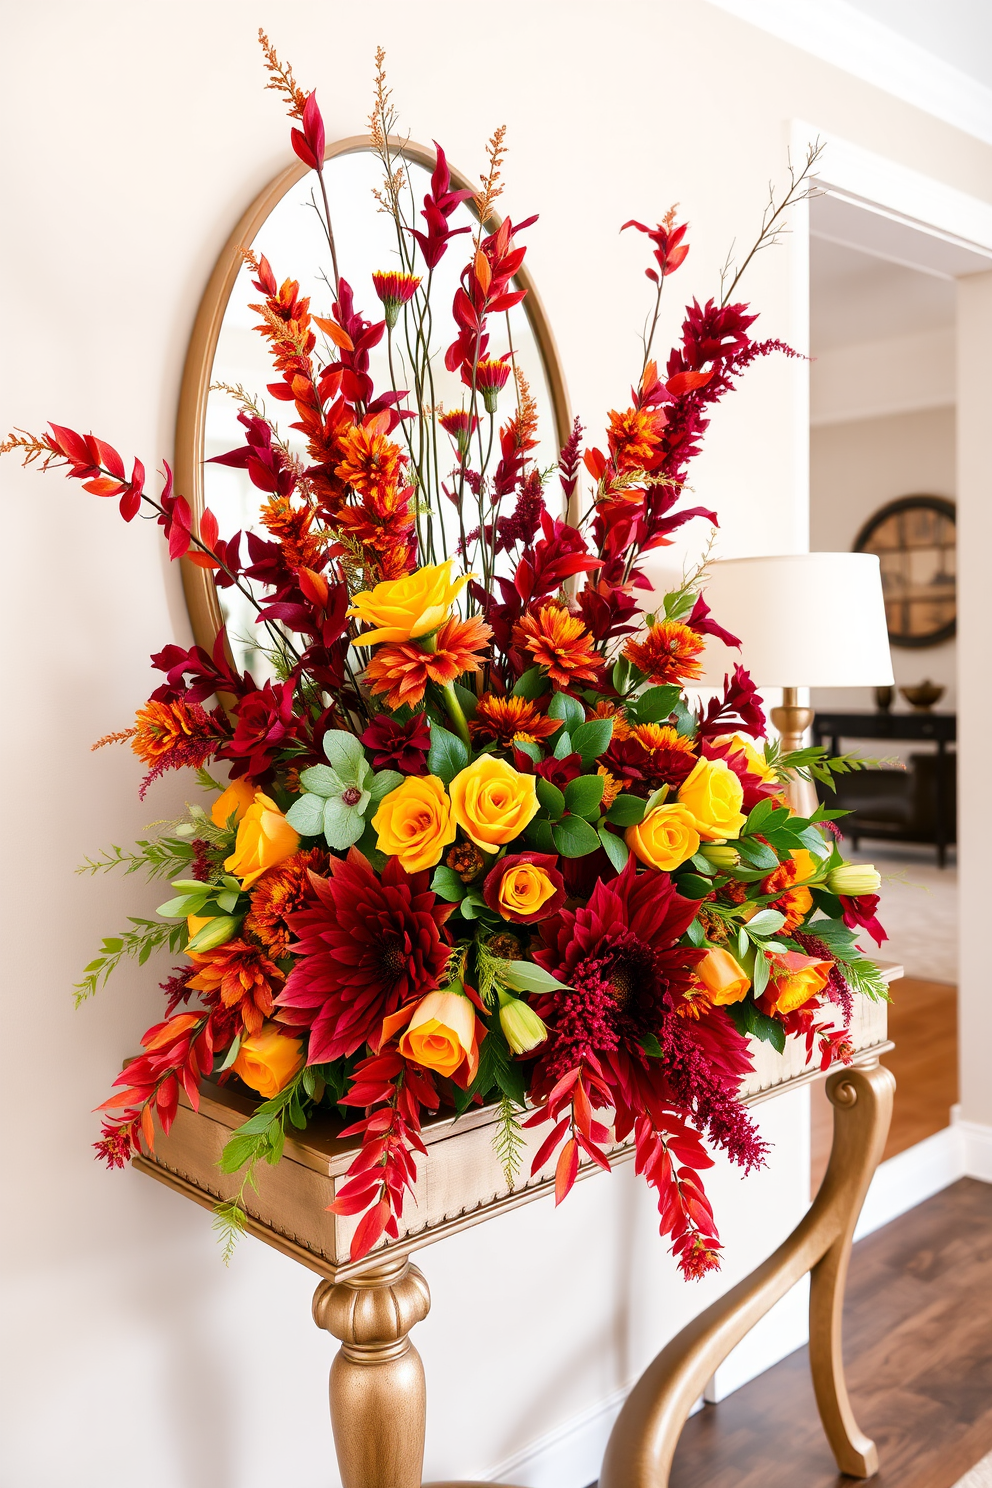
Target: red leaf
568,1166
209,528
103,486
107,456
369,1228
72,445
305,153
334,331
548,1146
687,382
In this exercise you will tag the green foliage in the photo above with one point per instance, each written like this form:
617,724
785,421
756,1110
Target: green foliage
550,797
508,1140
567,710
447,754
864,976
626,810
229,1221
573,837
592,738
748,1019
137,944
448,884
655,705
584,794
615,848
813,763
533,684
164,857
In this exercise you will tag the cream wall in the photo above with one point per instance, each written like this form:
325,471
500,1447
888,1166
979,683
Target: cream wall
134,134
857,467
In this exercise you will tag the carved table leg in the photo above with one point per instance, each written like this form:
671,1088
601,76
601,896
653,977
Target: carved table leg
642,1443
378,1395
862,1110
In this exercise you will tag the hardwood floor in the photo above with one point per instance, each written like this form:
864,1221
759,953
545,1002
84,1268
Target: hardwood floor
918,1341
923,1024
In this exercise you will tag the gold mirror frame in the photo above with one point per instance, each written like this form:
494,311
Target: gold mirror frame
201,593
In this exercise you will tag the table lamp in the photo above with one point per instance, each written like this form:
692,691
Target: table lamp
804,620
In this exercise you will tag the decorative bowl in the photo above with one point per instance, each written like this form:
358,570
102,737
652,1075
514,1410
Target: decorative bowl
923,695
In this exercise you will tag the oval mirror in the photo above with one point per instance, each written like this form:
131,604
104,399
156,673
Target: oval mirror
227,357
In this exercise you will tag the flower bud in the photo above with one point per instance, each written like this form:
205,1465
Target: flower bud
216,932
854,879
523,1029
720,855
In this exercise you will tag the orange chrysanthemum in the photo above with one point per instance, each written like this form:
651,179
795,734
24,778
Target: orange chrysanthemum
278,894
667,653
370,463
560,643
605,709
403,670
507,718
634,437
661,736
611,787
242,977
161,729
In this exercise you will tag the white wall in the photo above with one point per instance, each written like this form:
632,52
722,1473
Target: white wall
134,135
857,467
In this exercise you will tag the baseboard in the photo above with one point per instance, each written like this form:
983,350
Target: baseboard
910,1177
977,1142
570,1455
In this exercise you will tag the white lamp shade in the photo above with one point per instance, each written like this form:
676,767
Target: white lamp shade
804,620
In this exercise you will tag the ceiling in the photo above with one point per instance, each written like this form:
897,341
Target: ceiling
855,298
957,31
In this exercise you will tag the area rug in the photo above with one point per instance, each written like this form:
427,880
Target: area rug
919,910
980,1475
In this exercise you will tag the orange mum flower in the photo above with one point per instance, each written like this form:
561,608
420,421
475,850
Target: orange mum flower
661,736
280,893
370,463
605,709
560,643
509,718
242,976
172,736
634,437
795,904
290,525
667,652
611,787
403,669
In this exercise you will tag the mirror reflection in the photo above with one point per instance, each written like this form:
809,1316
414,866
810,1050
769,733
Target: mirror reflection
293,242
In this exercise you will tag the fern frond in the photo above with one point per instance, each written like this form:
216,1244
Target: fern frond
508,1140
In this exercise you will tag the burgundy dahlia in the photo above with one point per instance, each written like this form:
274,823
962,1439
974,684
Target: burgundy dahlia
365,947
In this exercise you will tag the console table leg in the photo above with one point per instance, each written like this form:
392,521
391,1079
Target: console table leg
862,1110
377,1389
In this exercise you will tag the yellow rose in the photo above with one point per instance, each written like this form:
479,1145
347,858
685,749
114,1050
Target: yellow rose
724,979
492,801
712,795
794,979
665,839
414,822
268,1060
403,609
264,840
807,866
441,1036
232,802
523,890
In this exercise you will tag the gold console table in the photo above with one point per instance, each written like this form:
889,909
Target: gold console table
377,1390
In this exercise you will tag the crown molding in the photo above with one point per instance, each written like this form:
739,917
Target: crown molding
838,33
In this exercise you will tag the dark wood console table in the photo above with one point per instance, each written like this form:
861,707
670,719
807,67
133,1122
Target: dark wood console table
936,728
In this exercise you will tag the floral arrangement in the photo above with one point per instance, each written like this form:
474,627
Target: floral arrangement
476,844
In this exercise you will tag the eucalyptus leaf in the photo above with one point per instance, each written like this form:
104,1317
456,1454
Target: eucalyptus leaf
527,976
765,922
228,900
563,744
232,1053
306,815
320,780
448,884
761,974
343,825
344,753
184,904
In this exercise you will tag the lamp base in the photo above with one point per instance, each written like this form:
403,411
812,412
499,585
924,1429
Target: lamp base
792,721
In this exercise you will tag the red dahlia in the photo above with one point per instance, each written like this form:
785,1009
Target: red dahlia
366,946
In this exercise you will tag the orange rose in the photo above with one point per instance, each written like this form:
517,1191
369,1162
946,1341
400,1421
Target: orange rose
268,1060
793,980
724,979
441,1035
525,887
414,822
492,801
264,840
666,838
712,795
232,802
